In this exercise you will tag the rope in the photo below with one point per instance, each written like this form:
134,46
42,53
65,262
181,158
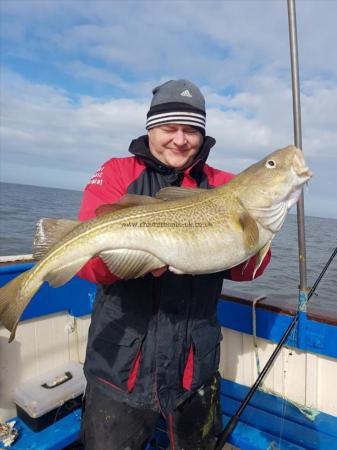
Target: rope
257,359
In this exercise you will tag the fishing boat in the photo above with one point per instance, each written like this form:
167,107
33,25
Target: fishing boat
293,403
295,408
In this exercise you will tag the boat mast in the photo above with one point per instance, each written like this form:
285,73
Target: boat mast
300,316
298,143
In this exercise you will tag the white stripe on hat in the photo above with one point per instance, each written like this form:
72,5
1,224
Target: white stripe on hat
181,113
177,121
186,118
176,117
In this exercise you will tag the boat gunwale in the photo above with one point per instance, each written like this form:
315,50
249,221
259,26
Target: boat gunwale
275,303
278,305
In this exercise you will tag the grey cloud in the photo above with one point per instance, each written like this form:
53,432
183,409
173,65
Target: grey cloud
237,52
239,38
42,128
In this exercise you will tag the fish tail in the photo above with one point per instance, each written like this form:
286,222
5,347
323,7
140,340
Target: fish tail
13,301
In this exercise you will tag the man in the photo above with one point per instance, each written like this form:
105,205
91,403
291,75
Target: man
153,346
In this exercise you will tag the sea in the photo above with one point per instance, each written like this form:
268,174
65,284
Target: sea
21,206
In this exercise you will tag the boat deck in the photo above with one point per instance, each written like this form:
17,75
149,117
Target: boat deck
269,422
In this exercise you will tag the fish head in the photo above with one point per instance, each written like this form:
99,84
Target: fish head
269,188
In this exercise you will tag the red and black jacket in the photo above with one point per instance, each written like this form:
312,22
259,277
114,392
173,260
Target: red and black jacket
153,341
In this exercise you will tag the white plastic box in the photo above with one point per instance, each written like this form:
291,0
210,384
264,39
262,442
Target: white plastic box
50,396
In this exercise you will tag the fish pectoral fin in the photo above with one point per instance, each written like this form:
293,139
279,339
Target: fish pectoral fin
48,232
271,218
61,275
250,231
127,263
127,201
175,192
260,256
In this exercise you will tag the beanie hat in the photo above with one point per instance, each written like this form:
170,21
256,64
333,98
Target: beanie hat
177,101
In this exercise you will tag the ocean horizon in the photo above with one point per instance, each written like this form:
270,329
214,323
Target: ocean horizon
292,211
22,205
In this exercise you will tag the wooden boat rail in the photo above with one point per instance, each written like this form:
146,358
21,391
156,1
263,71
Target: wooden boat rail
280,305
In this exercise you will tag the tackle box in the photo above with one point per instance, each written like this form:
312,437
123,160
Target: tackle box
48,397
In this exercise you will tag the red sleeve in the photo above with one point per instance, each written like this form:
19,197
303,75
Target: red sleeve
217,177
244,271
106,186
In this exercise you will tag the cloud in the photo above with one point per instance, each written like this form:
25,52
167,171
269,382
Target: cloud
43,127
76,86
221,42
42,124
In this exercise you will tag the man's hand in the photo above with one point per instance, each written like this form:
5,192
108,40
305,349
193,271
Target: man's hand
159,272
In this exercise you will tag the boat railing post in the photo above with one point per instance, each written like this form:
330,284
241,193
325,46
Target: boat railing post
302,320
303,294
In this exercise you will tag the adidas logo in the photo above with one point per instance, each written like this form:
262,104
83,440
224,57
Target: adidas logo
186,93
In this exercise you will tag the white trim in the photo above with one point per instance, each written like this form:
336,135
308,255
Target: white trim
14,258
173,121
187,118
178,122
182,113
176,118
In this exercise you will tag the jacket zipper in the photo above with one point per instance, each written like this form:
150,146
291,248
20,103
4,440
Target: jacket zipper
155,360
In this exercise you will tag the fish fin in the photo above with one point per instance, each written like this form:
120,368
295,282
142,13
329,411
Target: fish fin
127,201
176,192
61,275
175,270
13,303
127,263
48,232
272,217
250,231
260,256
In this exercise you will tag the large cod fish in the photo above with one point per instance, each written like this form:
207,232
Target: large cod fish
192,231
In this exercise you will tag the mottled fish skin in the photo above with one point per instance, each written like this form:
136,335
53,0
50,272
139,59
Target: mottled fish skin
204,232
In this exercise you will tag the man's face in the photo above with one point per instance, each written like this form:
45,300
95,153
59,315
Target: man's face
175,145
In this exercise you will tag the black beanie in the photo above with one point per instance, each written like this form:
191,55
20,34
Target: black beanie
177,101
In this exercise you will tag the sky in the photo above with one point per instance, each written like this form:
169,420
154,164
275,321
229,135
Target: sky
77,78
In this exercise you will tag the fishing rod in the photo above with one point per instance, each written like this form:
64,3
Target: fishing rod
232,423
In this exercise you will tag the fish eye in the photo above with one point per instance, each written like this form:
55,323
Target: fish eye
270,164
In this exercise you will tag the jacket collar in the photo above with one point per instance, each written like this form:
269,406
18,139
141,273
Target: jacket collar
140,148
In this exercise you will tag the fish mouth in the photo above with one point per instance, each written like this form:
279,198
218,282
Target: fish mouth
305,173
301,170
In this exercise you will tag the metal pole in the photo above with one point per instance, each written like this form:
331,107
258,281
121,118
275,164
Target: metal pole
298,140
